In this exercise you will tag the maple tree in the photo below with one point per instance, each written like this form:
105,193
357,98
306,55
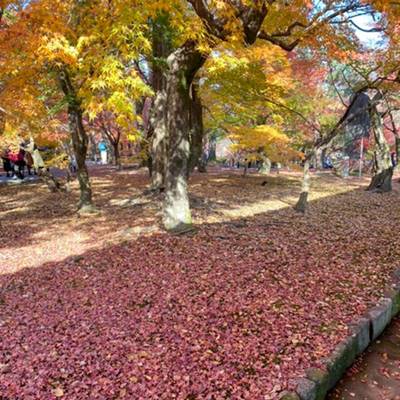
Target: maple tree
64,45
238,92
279,23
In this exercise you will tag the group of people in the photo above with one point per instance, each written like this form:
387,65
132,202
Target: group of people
27,156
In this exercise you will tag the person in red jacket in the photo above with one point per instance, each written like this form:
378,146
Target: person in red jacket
18,159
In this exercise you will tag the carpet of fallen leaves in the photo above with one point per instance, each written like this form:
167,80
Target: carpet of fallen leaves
110,307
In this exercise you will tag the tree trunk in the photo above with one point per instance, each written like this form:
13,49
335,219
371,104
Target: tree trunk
212,151
196,129
318,161
265,168
79,142
397,139
92,147
383,169
162,48
52,182
2,121
117,158
302,203
159,141
183,65
202,165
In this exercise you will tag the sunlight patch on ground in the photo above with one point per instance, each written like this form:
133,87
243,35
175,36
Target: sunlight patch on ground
321,190
53,248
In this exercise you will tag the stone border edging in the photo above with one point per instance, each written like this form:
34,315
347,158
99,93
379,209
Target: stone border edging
319,382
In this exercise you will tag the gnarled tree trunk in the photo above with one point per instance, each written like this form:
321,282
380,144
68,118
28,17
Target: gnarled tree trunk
183,65
79,142
383,168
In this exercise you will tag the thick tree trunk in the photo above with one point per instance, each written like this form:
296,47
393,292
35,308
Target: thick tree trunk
159,141
79,142
183,65
196,129
383,170
162,48
302,203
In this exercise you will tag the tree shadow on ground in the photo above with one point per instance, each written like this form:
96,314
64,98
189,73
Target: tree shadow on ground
234,310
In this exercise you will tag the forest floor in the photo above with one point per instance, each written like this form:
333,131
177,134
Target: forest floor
111,307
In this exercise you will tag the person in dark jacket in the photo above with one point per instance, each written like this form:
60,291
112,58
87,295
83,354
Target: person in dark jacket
7,164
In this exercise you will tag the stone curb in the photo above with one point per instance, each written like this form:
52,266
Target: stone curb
318,382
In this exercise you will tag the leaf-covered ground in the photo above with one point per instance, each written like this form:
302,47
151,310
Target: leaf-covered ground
110,307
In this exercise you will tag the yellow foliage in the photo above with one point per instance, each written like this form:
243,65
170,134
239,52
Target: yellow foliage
263,140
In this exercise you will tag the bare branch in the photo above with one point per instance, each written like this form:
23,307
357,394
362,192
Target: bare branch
321,18
371,30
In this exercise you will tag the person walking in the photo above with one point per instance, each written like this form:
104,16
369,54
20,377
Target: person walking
20,163
103,151
38,163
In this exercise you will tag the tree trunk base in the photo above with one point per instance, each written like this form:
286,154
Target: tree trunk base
265,168
155,190
182,229
382,182
52,182
176,211
88,209
302,204
264,171
202,168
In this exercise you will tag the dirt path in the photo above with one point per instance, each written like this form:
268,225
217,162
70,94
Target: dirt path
376,375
